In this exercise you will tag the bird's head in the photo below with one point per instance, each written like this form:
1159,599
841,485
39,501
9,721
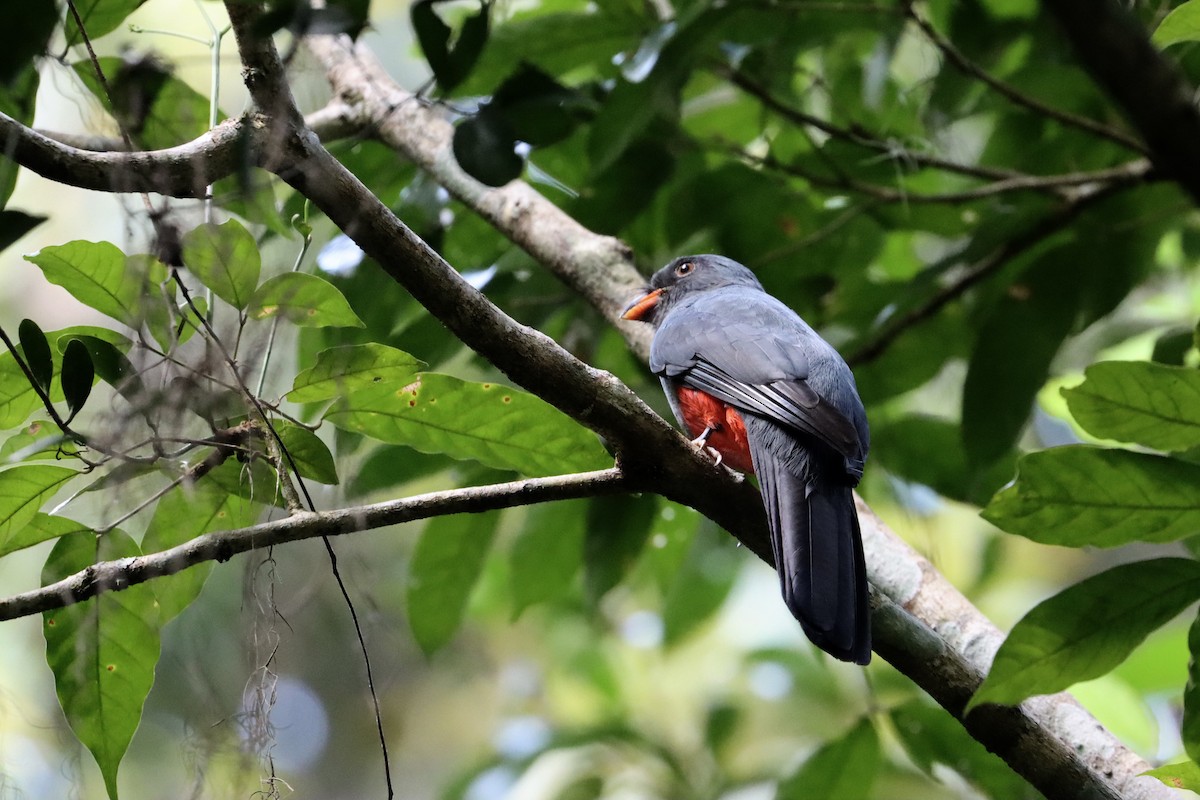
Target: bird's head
686,276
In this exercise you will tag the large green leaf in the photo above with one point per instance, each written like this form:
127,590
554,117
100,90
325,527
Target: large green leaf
1140,402
102,651
224,258
17,397
931,737
702,583
39,439
303,299
844,768
444,569
1181,25
180,516
99,17
41,528
1189,729
1078,496
1087,629
23,491
493,424
311,455
546,553
341,370
99,275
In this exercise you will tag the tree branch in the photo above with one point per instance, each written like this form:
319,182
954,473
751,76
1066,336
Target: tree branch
923,625
1157,99
123,573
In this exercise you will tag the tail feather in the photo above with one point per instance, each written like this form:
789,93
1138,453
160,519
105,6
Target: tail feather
818,552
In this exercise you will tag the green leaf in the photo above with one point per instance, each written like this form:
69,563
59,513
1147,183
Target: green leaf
546,554
1153,405
102,651
450,65
1189,729
99,275
77,376
1181,25
538,109
445,567
224,258
844,768
702,584
341,370
28,26
1087,629
311,455
40,528
23,490
17,397
616,533
304,300
932,737
1078,496
99,17
38,439
15,224
180,516
485,147
36,351
108,361
1181,775
493,424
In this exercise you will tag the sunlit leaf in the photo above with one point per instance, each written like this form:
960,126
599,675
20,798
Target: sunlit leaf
444,569
1087,629
23,491
340,370
40,528
224,258
1181,775
38,439
102,651
99,17
1139,402
1182,24
844,768
311,455
99,275
17,397
180,516
77,377
493,424
36,351
1077,496
546,553
304,300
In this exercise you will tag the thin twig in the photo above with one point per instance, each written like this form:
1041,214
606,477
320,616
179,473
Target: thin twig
223,545
1016,96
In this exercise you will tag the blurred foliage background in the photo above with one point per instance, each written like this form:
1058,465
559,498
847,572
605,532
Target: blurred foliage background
916,181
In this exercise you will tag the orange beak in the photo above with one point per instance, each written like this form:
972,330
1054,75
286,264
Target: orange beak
641,305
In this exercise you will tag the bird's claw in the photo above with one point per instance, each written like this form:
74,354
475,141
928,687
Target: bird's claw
701,445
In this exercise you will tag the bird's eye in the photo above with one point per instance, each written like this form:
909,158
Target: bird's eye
684,268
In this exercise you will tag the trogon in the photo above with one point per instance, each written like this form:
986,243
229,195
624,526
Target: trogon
755,385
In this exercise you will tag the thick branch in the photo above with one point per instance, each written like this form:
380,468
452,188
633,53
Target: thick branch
1115,50
923,625
126,572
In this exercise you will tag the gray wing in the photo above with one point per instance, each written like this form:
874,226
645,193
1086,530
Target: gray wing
760,363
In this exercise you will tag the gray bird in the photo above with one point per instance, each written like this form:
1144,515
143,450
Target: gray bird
758,387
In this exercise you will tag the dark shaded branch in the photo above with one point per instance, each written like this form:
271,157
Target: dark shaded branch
1156,98
126,572
1014,95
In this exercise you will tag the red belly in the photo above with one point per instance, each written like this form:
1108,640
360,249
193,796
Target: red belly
728,435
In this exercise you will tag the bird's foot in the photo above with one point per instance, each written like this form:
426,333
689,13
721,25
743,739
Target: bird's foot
701,445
